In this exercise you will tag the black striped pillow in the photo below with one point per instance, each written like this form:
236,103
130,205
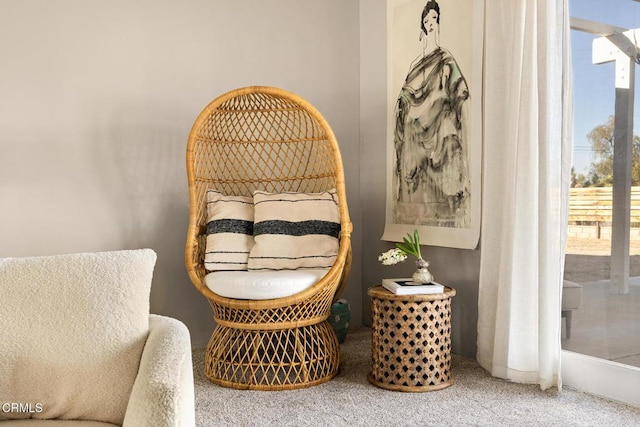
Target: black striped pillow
294,230
229,231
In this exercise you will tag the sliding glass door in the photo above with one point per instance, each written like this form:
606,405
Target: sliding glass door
601,293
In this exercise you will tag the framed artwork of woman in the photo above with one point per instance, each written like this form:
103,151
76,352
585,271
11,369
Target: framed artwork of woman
434,132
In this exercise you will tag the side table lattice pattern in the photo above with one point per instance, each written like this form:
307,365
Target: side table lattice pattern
411,340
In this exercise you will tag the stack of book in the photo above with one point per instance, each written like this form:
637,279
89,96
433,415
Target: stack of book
406,287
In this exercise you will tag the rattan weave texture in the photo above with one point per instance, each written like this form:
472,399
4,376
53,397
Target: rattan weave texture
411,340
264,138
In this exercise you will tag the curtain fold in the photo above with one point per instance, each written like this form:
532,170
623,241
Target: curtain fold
527,163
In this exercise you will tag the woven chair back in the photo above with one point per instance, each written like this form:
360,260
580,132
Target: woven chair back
260,138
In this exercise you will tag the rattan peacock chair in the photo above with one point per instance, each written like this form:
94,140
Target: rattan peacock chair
268,139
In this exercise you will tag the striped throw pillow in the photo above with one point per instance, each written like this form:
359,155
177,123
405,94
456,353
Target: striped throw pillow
295,230
229,231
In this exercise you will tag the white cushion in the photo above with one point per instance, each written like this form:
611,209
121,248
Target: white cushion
260,285
295,230
229,231
73,329
571,295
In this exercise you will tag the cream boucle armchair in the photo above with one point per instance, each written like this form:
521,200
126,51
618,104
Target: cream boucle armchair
79,347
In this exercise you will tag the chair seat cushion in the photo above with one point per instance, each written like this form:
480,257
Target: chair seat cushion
260,285
571,295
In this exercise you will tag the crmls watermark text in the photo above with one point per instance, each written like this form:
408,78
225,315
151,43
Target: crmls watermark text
15,407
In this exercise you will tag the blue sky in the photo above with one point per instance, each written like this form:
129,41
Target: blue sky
594,89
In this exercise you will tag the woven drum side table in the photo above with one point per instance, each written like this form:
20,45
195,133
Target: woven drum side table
411,340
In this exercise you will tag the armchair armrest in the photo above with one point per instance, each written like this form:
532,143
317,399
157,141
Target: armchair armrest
163,392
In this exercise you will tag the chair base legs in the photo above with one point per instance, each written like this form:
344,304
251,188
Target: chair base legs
272,359
567,314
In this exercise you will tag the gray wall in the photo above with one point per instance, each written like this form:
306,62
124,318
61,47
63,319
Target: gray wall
453,267
97,100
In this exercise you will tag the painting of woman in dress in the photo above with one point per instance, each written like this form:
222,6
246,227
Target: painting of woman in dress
431,183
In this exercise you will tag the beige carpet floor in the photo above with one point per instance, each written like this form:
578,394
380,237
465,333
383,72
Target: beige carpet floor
475,399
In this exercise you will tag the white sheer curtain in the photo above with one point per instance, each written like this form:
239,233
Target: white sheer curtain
526,167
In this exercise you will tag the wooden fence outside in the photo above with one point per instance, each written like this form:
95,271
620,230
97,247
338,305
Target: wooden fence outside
593,206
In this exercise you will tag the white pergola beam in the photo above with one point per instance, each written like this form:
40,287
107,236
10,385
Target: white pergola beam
608,48
593,27
622,154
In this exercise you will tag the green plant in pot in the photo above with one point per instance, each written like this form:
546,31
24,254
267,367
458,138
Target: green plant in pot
410,246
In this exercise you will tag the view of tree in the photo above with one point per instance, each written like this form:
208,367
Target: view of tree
600,172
